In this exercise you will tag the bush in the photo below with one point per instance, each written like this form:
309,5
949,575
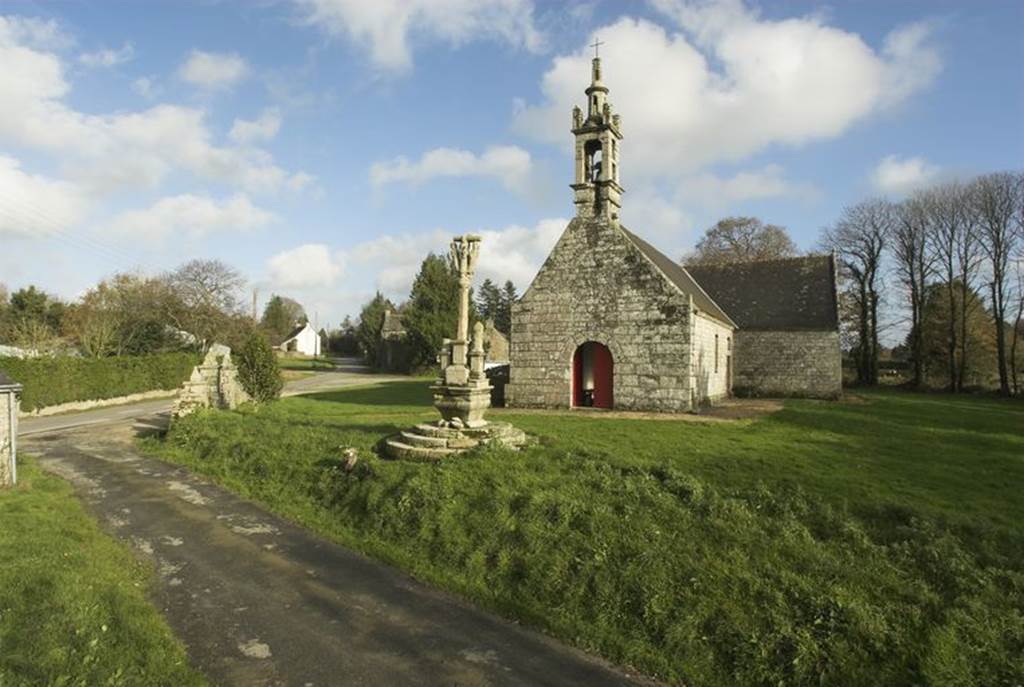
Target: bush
50,381
257,369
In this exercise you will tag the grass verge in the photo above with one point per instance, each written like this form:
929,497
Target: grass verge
73,609
876,542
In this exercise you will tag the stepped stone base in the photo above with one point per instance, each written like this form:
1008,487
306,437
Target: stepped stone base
433,442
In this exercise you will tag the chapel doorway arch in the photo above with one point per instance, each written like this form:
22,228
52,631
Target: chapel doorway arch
592,375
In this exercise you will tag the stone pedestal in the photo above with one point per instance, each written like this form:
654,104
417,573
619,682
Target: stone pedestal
463,393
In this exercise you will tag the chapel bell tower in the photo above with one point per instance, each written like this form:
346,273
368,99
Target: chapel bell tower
597,190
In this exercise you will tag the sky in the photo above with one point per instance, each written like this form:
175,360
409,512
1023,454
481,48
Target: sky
324,147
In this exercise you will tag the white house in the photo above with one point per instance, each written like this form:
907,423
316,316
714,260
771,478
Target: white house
303,340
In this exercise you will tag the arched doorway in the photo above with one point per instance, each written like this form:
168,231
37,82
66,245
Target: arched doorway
592,376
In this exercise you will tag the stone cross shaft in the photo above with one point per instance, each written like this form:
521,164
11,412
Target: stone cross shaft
465,251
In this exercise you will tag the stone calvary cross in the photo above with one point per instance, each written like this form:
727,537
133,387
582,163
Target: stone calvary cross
462,393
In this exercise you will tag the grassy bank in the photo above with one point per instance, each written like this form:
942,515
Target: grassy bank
51,381
286,363
859,543
72,601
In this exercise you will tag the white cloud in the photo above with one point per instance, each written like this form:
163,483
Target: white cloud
899,176
31,205
509,164
108,57
387,27
145,87
307,266
514,252
263,128
212,71
713,191
729,84
105,152
191,215
34,32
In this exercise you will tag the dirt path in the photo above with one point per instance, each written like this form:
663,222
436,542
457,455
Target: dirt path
259,601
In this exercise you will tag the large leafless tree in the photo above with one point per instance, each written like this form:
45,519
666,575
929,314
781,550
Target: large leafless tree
914,263
859,238
209,298
996,201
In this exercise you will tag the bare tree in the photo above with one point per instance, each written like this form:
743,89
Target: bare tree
914,261
1018,316
996,200
859,238
955,250
208,294
742,239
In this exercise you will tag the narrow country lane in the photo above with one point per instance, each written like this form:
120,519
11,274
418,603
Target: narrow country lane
260,601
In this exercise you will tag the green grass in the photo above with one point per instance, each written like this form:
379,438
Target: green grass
857,543
305,364
73,609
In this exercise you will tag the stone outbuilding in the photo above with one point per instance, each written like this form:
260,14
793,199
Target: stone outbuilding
787,343
10,392
611,322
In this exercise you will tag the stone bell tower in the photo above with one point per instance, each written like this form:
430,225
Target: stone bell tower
598,137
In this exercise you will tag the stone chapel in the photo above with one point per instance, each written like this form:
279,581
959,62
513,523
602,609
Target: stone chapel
611,322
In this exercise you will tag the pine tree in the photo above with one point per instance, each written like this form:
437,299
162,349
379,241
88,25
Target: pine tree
488,303
433,310
503,318
371,319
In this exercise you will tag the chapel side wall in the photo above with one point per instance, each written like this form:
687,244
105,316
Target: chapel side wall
710,380
788,363
596,286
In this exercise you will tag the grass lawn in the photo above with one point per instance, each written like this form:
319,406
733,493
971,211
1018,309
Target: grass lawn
73,609
874,541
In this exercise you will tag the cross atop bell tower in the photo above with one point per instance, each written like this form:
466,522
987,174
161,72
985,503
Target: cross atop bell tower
597,190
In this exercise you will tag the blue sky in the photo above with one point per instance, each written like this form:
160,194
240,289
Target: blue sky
324,146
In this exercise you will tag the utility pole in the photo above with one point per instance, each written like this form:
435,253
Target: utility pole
255,292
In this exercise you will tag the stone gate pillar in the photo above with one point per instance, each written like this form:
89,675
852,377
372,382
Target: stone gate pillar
10,393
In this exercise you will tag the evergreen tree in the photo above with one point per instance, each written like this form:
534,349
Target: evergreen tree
433,309
488,302
503,319
257,368
371,319
280,316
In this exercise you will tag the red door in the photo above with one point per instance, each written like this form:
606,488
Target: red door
592,376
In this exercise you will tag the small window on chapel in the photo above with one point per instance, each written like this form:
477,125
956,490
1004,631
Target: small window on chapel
716,353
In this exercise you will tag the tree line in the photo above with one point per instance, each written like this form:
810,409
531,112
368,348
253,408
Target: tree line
189,308
954,254
430,313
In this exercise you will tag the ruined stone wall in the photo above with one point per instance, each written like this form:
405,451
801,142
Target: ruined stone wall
597,286
787,363
710,376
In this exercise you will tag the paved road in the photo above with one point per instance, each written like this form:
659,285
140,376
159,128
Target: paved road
260,601
347,374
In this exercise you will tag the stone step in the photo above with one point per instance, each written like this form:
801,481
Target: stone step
435,431
403,451
414,438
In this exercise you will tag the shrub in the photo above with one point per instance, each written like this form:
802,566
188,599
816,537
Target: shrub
63,379
257,369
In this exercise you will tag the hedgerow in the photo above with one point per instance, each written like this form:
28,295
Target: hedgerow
50,381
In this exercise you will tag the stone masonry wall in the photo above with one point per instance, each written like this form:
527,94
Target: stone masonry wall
787,363
597,286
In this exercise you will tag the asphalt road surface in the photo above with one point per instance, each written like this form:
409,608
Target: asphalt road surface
258,600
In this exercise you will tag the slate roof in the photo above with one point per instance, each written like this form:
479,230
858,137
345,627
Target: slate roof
295,332
678,275
392,323
6,382
789,294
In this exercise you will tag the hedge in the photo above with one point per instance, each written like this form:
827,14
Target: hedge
49,381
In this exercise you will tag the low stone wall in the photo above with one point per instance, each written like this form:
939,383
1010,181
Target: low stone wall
787,363
98,403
